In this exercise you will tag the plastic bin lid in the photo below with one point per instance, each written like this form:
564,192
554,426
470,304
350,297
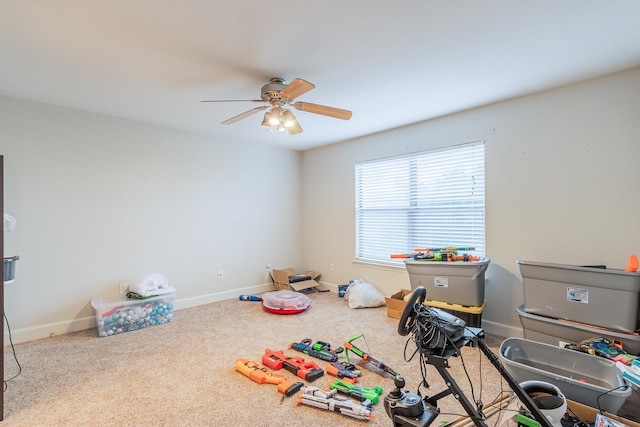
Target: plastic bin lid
285,302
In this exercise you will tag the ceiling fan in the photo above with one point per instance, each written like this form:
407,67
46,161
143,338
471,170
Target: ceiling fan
278,95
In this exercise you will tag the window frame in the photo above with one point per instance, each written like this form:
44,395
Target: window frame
414,193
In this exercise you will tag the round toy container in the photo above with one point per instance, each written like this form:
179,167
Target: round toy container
285,302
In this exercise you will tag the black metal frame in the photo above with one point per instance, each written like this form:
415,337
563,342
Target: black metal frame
438,357
475,336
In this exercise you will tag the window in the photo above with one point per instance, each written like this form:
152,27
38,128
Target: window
428,199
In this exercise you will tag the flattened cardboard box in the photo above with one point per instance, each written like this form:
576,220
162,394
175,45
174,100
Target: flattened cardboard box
585,413
396,303
281,279
588,414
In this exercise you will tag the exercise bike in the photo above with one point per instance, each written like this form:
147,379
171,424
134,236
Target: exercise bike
439,335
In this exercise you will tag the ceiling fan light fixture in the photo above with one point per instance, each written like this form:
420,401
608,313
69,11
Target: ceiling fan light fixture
274,116
288,119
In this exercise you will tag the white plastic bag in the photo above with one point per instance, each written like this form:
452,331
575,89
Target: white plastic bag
361,294
9,222
151,285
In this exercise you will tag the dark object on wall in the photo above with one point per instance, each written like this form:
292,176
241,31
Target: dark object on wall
2,291
10,269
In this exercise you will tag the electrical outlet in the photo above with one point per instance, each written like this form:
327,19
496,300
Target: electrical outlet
267,265
330,267
220,274
124,287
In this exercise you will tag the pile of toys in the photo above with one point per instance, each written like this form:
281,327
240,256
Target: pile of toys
446,254
342,395
603,347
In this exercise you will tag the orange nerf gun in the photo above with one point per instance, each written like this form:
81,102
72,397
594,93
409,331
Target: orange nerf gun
347,371
277,360
262,375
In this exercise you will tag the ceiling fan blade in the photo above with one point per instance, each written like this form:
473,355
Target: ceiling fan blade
233,100
296,88
337,113
243,115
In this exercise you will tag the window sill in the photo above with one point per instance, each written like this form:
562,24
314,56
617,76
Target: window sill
383,265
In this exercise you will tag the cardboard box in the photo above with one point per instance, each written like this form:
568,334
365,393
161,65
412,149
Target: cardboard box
396,303
588,414
284,279
585,413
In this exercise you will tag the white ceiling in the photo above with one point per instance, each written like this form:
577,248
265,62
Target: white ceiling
392,63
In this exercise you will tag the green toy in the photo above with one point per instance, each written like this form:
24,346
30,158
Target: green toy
359,393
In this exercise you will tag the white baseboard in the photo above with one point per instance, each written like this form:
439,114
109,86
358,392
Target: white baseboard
49,330
501,330
493,328
73,325
221,296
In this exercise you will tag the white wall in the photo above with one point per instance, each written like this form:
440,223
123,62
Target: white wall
562,179
100,200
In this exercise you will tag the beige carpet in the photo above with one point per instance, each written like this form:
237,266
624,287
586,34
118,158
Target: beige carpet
182,373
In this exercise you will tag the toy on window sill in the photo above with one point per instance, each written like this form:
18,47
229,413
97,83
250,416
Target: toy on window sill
448,254
632,265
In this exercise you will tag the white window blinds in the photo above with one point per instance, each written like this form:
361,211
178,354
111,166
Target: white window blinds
427,199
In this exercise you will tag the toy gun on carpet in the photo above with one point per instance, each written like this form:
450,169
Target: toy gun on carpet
360,393
329,401
325,346
305,347
366,357
262,375
277,360
346,371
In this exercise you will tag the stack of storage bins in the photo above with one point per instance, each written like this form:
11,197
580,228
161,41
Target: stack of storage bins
456,287
568,304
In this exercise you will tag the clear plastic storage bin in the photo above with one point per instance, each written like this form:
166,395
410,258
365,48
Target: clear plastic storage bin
116,315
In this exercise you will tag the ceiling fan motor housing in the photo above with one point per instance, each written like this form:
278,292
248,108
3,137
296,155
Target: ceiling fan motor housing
271,91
